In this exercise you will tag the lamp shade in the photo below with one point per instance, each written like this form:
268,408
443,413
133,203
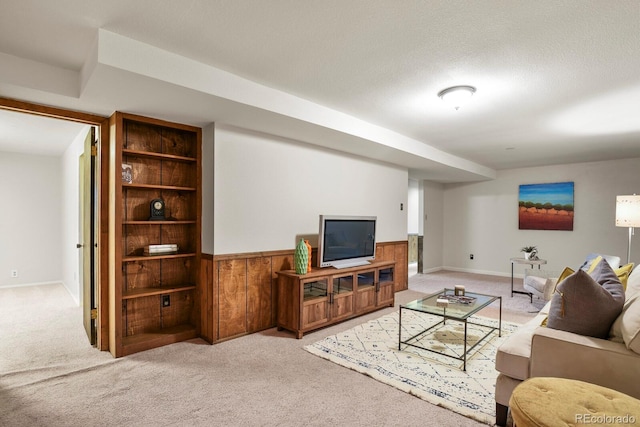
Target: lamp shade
628,211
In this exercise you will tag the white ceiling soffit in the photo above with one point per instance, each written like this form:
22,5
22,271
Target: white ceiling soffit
127,75
258,107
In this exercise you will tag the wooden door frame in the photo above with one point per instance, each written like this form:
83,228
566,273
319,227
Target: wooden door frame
102,123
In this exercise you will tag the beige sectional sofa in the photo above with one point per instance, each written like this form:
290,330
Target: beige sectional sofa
538,351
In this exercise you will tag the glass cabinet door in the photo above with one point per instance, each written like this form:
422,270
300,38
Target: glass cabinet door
385,286
315,289
365,291
315,307
342,297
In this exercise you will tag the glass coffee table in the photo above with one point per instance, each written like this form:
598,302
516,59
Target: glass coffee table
459,308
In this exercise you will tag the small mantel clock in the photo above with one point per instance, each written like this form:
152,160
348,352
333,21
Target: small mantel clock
157,210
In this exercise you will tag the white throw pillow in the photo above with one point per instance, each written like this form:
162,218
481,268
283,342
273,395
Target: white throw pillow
626,328
633,283
549,287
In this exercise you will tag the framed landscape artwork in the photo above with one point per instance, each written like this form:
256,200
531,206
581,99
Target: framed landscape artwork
546,206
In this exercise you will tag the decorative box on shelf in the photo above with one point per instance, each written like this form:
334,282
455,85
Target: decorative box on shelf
127,173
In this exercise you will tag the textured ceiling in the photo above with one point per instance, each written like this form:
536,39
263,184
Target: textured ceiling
557,81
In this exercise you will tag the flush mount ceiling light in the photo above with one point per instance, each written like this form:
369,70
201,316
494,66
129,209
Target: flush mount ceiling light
456,96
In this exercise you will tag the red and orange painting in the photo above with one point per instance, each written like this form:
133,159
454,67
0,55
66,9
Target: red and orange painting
546,206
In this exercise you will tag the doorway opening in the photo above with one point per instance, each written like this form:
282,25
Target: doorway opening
89,292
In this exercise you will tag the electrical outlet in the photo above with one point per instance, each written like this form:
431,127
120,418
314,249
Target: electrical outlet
470,256
166,300
401,206
14,273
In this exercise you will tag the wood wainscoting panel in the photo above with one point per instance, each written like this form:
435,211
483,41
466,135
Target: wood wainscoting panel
280,263
240,293
259,294
401,256
208,322
385,252
398,252
232,309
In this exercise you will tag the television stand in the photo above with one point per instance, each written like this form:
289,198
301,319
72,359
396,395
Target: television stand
349,263
326,296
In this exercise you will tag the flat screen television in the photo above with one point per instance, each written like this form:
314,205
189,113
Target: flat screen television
346,241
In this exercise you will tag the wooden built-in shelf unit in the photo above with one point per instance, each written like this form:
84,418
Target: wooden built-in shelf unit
154,300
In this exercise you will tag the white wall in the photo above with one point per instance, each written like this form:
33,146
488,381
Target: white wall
208,133
30,218
432,247
413,208
70,200
482,218
270,191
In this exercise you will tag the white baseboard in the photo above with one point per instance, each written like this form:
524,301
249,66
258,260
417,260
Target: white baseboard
485,272
57,282
74,297
432,270
22,285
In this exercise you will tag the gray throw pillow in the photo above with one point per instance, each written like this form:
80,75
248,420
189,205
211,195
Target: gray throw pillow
587,304
609,280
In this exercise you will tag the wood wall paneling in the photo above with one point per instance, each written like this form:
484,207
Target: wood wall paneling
260,307
401,257
206,292
240,294
398,252
278,263
232,289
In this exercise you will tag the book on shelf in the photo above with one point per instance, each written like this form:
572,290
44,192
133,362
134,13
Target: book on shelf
164,249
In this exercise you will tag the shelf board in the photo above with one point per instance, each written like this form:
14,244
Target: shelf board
157,187
140,342
147,292
154,257
310,297
167,222
139,153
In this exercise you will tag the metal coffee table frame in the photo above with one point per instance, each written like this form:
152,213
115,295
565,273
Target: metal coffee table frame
457,312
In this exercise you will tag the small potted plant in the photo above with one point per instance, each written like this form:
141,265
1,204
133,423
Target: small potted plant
528,251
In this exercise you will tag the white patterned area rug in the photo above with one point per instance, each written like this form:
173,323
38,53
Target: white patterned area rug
372,349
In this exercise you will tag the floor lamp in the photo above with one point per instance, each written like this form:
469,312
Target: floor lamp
628,215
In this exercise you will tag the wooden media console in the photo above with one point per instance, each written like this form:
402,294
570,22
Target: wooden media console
327,296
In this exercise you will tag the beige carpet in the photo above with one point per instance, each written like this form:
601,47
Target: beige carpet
372,349
50,376
518,309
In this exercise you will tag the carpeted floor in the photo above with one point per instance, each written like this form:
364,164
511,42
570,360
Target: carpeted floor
372,349
50,376
517,308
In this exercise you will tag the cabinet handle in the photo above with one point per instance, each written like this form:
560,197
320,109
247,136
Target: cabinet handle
377,286
331,298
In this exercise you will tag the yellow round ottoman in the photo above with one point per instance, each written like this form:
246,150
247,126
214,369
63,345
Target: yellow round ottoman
562,402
